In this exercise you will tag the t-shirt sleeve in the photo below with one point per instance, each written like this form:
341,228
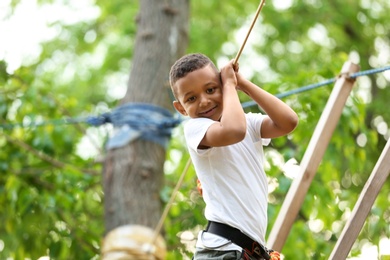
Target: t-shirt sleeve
195,130
254,121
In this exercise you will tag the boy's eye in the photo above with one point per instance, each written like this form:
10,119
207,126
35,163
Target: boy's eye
210,90
191,99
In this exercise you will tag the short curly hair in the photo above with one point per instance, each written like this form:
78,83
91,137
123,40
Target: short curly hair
187,64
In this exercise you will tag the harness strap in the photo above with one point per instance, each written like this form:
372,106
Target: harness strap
250,246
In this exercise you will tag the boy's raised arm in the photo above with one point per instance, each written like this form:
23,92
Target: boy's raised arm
232,126
281,118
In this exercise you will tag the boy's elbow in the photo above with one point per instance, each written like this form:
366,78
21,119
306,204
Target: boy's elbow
240,134
236,134
292,122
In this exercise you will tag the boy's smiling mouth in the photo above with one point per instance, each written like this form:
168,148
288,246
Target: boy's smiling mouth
209,112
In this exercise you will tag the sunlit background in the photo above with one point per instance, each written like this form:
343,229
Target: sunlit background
17,49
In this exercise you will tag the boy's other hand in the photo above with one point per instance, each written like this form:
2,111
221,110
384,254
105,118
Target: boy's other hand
228,75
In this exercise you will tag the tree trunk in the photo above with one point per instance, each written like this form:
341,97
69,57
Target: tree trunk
133,175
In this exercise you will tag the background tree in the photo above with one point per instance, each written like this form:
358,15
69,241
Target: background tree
133,175
51,193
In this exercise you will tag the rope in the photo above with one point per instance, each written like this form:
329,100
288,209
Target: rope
170,202
105,118
294,91
320,84
62,121
132,242
249,31
368,72
139,120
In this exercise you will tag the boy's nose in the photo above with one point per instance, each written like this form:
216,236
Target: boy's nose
204,101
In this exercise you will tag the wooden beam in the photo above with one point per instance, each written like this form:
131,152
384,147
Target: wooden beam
363,206
312,157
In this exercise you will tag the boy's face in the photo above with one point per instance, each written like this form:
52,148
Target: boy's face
199,94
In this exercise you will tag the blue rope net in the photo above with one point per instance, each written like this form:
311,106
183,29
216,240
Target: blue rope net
138,120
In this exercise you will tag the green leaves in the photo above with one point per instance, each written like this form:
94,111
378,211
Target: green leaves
51,197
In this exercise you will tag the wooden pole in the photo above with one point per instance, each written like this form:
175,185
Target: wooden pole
312,158
363,206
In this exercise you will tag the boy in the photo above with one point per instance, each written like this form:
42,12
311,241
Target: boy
225,146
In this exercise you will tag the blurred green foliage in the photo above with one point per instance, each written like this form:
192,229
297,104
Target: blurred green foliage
50,194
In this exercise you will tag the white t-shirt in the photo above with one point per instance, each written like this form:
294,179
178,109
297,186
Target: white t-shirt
234,183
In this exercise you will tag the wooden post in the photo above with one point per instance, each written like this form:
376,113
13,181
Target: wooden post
312,158
363,206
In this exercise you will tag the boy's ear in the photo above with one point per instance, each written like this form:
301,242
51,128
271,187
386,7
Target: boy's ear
179,108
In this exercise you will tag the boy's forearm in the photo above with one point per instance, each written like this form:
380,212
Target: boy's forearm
231,127
233,121
276,109
233,115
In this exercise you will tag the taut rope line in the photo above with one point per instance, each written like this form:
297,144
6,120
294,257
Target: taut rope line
249,31
170,202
